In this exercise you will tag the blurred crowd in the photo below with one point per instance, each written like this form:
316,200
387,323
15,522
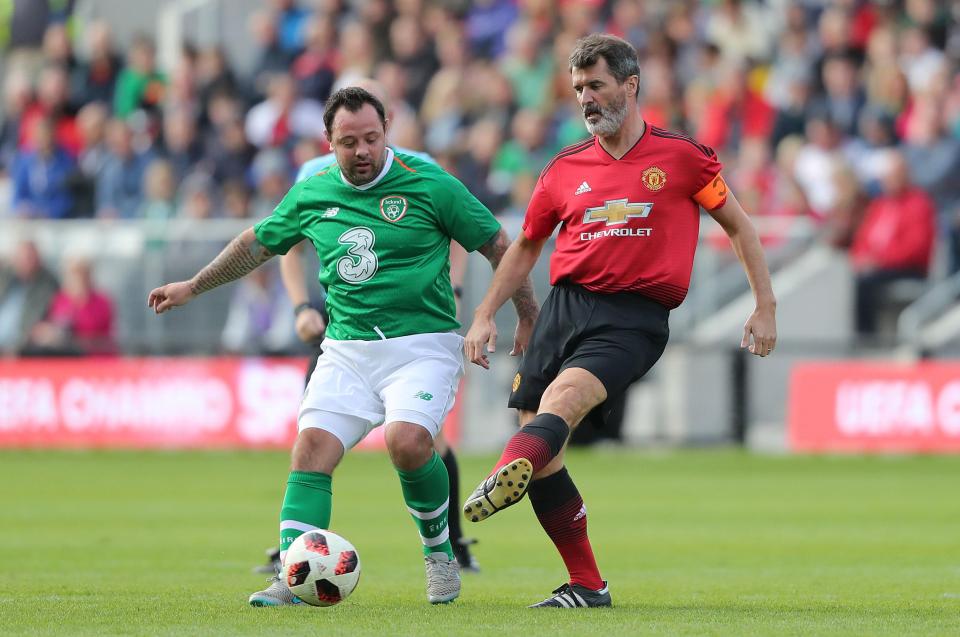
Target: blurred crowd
844,112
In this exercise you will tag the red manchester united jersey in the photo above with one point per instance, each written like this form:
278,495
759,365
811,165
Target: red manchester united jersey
628,224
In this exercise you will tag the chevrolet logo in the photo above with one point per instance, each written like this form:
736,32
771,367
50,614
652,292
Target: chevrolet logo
616,212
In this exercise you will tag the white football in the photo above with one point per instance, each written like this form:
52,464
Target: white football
321,568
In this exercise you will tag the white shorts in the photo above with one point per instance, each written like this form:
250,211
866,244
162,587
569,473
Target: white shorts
359,385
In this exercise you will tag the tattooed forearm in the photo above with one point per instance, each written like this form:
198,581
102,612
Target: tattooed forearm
524,299
495,248
237,259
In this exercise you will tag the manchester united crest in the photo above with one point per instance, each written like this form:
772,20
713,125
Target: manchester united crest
654,178
393,208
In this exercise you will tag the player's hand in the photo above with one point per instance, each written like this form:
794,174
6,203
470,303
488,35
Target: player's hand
310,326
169,296
521,338
482,334
760,332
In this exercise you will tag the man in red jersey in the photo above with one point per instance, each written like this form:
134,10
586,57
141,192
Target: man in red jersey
628,205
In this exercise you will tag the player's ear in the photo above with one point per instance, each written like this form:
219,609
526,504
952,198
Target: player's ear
633,85
386,125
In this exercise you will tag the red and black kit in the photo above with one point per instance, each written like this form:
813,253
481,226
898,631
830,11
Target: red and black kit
623,258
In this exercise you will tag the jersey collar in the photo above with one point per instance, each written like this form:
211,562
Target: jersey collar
607,158
383,173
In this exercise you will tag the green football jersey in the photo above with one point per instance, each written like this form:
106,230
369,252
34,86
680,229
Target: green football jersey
384,247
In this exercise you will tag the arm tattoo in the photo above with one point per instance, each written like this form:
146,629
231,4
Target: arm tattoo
524,299
495,248
236,260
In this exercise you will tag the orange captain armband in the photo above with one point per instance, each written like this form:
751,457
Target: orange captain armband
714,194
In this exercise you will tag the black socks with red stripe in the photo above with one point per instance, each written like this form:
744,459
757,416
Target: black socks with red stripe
561,513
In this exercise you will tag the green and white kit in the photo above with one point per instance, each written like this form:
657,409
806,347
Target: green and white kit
390,352
384,251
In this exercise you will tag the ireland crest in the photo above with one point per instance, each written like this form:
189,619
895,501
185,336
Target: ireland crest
393,208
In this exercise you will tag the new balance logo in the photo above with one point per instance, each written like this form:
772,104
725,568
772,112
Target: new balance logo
422,395
584,187
330,212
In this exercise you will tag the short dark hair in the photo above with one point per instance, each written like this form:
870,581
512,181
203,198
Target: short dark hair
620,55
351,98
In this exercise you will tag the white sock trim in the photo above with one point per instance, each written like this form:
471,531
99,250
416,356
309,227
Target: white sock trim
429,515
297,526
436,541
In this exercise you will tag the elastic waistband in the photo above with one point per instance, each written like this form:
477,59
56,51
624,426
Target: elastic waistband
637,298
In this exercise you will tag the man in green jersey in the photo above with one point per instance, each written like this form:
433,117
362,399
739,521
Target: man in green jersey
381,223
311,323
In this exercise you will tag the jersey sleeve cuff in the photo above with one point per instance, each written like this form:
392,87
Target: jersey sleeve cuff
269,245
529,233
484,242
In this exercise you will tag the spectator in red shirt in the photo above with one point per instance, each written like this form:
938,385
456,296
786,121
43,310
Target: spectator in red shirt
893,243
735,111
52,97
80,320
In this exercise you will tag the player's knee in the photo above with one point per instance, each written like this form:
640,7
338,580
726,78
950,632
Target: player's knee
409,445
569,400
316,450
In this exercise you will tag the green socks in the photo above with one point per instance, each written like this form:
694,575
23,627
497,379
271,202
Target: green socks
426,491
306,506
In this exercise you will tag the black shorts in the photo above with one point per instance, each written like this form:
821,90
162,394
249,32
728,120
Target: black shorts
616,337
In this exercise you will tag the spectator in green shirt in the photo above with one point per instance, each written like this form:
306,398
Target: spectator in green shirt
527,149
528,67
140,85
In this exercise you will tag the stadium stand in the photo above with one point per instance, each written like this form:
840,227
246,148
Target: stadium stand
144,139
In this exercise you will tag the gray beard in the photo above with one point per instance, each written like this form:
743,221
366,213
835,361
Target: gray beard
611,119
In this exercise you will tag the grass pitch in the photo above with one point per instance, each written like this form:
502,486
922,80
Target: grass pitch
693,543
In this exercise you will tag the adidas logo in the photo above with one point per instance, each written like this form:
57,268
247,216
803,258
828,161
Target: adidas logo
584,187
582,513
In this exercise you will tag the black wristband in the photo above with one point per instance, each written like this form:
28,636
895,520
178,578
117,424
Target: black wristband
458,291
301,307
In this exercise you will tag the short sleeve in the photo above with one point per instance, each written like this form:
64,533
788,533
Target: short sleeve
542,215
461,215
710,190
315,165
281,230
